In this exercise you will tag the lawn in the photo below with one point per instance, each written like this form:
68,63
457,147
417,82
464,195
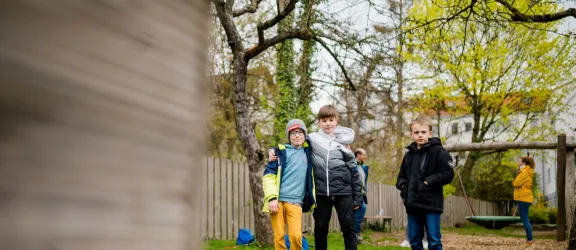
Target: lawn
335,242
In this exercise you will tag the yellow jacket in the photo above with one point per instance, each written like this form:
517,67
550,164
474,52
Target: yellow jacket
523,185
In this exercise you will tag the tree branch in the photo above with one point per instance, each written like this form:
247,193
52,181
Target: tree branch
344,71
234,39
517,16
249,8
292,34
266,25
229,4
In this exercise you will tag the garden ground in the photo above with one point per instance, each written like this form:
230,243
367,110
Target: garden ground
468,237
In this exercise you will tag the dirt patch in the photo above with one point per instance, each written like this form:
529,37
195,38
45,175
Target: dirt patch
453,241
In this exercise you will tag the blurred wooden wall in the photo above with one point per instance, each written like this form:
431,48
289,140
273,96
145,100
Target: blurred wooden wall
102,110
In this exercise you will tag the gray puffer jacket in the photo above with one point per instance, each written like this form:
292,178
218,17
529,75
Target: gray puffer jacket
335,170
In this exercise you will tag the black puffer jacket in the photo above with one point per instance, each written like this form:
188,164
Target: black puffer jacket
432,164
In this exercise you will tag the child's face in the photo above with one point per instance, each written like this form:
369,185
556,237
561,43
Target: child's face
297,137
362,156
420,134
328,124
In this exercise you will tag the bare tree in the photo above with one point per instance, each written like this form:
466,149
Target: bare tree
241,57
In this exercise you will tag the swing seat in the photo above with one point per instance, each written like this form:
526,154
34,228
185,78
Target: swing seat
493,222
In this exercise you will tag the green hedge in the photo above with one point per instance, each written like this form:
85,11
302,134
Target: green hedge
542,215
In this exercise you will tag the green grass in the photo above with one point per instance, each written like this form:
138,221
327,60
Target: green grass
335,242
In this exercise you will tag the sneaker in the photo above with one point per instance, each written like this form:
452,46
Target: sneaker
529,243
358,237
425,244
405,243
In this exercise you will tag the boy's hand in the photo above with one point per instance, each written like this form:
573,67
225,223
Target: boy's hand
271,156
425,182
348,147
273,206
356,207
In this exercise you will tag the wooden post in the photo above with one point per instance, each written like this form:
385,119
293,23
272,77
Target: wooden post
560,187
571,194
102,113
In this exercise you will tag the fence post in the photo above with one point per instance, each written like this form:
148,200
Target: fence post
560,187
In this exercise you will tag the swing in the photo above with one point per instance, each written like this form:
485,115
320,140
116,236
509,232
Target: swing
489,222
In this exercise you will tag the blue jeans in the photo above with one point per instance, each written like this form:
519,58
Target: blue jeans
523,210
358,216
416,225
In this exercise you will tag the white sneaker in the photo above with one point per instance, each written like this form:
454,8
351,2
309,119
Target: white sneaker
359,237
405,243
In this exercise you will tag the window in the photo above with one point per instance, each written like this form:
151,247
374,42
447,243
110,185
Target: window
534,122
454,128
468,126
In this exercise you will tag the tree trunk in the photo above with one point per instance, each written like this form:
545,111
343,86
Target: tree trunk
252,149
102,121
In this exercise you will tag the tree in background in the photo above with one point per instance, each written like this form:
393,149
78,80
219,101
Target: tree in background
492,72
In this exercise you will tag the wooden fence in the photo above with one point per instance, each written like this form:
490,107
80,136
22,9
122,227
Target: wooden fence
228,203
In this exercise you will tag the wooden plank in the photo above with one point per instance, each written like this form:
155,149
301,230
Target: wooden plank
217,199
229,200
236,193
211,195
250,202
203,226
241,199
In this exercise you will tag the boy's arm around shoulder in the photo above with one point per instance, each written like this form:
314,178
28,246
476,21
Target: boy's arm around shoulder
445,170
269,180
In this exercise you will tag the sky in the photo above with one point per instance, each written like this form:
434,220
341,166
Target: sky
364,16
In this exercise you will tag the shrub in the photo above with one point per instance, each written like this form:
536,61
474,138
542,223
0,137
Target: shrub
552,213
538,215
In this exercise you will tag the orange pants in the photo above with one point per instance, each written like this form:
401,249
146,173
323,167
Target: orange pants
288,215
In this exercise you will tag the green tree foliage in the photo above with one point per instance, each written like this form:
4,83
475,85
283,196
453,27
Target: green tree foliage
492,72
285,77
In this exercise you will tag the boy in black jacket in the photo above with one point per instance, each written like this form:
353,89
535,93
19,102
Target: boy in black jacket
426,167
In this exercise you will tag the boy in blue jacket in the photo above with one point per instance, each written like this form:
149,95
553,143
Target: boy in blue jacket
288,186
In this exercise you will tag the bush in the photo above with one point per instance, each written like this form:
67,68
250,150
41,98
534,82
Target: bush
538,215
552,213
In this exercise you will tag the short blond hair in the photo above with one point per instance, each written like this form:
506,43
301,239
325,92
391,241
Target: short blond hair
421,121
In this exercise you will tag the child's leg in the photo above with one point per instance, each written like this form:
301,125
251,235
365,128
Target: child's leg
416,230
433,231
523,209
294,221
345,211
279,226
358,216
322,215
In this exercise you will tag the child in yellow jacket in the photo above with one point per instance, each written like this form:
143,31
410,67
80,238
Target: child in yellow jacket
523,192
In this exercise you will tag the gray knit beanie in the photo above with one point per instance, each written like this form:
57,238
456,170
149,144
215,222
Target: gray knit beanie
295,124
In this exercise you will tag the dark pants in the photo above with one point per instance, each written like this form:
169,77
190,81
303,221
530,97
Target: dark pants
523,210
359,216
323,212
416,225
